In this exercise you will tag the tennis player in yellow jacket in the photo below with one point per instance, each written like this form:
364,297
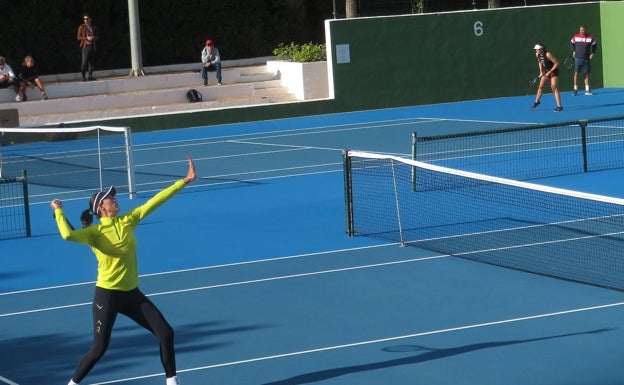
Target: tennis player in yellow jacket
116,289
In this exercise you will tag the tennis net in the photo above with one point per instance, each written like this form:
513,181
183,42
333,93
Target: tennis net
14,208
78,158
544,230
529,152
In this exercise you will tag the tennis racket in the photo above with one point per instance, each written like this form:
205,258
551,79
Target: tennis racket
534,80
568,62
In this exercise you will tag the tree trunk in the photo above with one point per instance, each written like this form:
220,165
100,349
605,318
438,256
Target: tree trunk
351,8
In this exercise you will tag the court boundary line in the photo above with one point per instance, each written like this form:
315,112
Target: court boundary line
148,191
268,134
210,267
240,283
7,381
343,126
322,128
375,341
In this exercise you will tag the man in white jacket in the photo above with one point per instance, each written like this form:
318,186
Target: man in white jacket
211,61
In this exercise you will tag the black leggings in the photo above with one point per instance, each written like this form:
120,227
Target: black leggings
135,305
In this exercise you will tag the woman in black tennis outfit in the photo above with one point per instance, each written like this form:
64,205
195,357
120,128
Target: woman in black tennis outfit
549,70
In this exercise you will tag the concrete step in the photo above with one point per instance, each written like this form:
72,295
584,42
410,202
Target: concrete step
120,100
122,84
119,96
74,109
161,91
142,110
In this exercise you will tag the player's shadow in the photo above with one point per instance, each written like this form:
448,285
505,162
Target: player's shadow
431,354
52,358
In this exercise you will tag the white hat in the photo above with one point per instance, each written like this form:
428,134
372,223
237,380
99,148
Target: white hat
538,46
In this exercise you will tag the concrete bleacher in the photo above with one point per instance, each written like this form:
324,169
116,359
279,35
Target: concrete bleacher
162,89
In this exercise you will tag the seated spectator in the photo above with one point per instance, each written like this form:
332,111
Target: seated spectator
211,61
8,79
29,77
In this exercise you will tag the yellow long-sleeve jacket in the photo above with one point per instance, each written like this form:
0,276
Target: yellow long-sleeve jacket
113,241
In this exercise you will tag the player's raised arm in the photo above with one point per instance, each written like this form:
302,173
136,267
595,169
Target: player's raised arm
191,175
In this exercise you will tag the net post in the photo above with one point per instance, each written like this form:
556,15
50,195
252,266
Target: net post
583,124
99,154
129,163
414,144
26,203
396,202
348,191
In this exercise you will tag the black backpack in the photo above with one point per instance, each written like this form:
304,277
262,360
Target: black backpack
193,96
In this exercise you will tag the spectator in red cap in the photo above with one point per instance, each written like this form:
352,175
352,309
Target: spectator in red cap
211,61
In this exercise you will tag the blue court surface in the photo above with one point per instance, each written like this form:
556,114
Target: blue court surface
251,266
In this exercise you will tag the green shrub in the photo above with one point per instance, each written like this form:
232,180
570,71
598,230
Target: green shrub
301,52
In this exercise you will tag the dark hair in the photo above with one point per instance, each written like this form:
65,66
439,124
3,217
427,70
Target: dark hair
86,217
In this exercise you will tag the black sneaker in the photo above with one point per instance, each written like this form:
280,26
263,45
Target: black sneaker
25,98
558,109
535,105
44,96
575,92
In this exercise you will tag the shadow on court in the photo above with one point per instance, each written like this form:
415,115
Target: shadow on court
56,355
432,354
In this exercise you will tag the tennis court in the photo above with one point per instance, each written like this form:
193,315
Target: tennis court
252,267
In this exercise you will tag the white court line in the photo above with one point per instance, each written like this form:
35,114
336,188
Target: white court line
260,135
290,276
315,130
7,381
249,138
198,184
212,267
281,133
239,283
309,131
334,128
370,342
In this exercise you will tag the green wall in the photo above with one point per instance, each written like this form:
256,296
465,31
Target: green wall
433,58
612,29
216,117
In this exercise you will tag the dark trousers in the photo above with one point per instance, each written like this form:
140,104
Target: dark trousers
10,83
214,67
88,60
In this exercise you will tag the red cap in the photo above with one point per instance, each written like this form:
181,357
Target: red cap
208,42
